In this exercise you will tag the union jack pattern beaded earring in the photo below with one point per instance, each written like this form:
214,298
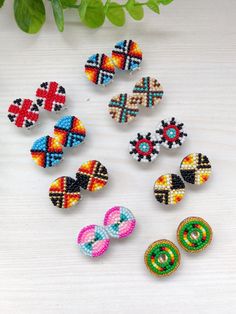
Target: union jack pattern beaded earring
94,240
65,192
24,113
51,96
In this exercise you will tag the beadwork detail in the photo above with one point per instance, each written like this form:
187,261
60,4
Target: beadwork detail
195,168
24,113
69,131
124,108
93,240
100,69
51,96
170,133
144,148
127,55
194,234
119,222
162,258
150,90
92,175
46,152
64,192
169,189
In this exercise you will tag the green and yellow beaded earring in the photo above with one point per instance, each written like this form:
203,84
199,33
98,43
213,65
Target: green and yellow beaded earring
194,234
162,258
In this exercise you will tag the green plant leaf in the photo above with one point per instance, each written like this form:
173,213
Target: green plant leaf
164,2
1,3
135,10
153,5
58,14
29,15
92,13
68,3
115,14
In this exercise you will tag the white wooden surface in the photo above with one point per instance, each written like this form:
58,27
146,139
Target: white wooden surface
190,48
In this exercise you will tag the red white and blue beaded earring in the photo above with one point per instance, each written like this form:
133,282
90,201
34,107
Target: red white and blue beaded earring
94,240
65,192
47,151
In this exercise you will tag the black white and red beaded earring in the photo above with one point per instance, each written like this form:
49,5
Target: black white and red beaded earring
24,113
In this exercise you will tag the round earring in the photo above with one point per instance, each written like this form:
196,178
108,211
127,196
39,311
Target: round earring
169,189
127,55
171,133
93,240
100,69
162,258
119,222
194,234
195,168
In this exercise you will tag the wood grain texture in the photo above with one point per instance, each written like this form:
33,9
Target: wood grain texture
190,48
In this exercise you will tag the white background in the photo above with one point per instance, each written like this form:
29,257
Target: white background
190,48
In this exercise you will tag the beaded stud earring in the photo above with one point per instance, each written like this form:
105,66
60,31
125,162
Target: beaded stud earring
93,240
100,69
162,258
127,55
65,192
150,90
170,133
195,168
51,96
24,113
47,151
194,234
169,189
144,148
124,108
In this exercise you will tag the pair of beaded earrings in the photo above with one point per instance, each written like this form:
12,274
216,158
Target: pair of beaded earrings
24,113
47,151
91,176
195,168
124,107
145,147
162,257
94,240
100,69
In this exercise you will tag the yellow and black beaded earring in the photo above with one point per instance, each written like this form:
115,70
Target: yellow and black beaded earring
195,168
194,234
